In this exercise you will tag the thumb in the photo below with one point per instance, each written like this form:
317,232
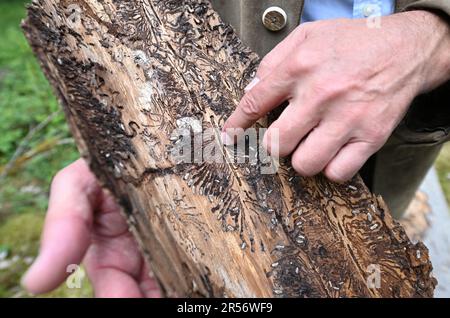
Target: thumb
67,228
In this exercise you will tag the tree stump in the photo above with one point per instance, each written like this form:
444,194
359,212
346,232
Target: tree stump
128,74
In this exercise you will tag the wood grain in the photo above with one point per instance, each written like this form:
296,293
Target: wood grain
128,74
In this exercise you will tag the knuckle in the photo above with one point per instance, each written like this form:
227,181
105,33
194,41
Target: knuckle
300,65
249,106
265,64
306,61
327,89
72,173
353,117
62,175
377,135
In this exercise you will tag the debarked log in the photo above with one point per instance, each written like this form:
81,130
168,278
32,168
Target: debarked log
129,74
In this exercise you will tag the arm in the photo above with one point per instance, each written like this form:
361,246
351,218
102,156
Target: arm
437,64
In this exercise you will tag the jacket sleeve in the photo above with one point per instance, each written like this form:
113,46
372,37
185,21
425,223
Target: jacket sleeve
442,6
428,119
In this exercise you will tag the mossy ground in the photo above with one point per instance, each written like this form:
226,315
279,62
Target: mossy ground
26,100
19,237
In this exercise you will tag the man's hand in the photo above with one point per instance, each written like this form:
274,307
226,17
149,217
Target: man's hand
348,87
84,222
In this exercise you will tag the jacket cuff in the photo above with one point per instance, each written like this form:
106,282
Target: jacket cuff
442,7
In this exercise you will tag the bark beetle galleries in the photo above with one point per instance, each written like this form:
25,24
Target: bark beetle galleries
127,74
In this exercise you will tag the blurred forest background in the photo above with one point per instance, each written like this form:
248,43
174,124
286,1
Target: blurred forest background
34,144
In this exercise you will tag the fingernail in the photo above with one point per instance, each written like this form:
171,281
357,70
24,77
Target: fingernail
227,140
252,84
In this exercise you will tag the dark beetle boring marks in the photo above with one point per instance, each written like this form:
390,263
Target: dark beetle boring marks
178,60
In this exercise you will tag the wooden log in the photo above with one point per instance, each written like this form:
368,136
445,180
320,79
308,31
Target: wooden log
128,74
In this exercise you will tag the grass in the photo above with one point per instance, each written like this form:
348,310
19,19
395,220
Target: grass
26,102
24,228
19,237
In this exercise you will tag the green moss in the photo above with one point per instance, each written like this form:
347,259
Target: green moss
21,233
26,99
19,236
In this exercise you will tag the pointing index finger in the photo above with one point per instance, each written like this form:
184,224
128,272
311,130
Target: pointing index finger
262,96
